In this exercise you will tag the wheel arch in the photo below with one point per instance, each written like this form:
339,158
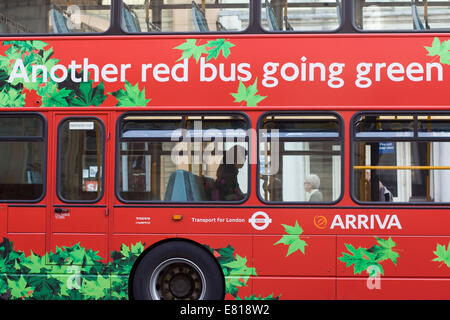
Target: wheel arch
165,241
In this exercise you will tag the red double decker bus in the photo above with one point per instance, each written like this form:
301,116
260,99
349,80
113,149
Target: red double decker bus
224,149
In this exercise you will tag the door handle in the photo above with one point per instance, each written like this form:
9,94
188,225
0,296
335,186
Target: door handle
61,210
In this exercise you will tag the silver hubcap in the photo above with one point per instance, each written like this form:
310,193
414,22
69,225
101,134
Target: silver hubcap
177,279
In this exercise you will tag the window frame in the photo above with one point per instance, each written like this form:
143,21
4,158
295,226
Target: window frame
42,138
415,138
58,159
378,31
109,30
246,30
340,138
117,191
339,28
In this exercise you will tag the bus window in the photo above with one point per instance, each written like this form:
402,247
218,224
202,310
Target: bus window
81,160
189,158
55,16
185,15
401,158
300,158
401,15
301,15
22,165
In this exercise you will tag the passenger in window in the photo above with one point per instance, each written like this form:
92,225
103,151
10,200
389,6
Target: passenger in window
226,186
312,185
384,193
272,184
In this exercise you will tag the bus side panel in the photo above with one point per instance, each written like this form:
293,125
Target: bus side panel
28,243
305,268
304,256
89,242
24,227
397,263
123,242
393,288
295,288
3,220
234,255
26,219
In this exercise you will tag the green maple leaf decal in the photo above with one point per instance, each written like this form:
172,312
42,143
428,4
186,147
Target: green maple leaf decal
52,97
440,49
232,285
239,267
27,46
191,49
443,254
19,289
361,259
88,95
248,94
217,46
383,250
10,97
292,239
34,263
131,96
225,255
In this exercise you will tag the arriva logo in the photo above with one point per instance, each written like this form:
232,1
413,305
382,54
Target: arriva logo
364,221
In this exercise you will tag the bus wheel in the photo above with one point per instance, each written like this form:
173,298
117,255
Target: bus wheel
178,270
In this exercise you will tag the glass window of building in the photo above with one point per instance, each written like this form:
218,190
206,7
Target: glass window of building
301,15
54,16
413,15
184,15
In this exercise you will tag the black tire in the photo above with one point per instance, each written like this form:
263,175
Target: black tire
178,270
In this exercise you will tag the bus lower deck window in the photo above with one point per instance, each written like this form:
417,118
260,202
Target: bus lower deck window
300,158
192,158
22,171
401,158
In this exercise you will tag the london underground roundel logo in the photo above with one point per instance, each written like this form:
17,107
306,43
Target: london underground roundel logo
260,220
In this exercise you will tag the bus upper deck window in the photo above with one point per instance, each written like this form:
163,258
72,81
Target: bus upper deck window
300,158
184,16
401,158
375,15
55,16
301,15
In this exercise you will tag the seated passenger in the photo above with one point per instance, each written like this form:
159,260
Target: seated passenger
384,193
226,186
311,185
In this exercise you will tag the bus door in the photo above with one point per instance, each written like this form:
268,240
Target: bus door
79,211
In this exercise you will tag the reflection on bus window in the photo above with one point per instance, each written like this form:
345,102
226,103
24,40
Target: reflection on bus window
184,15
301,15
54,16
183,158
401,158
300,158
22,170
401,14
